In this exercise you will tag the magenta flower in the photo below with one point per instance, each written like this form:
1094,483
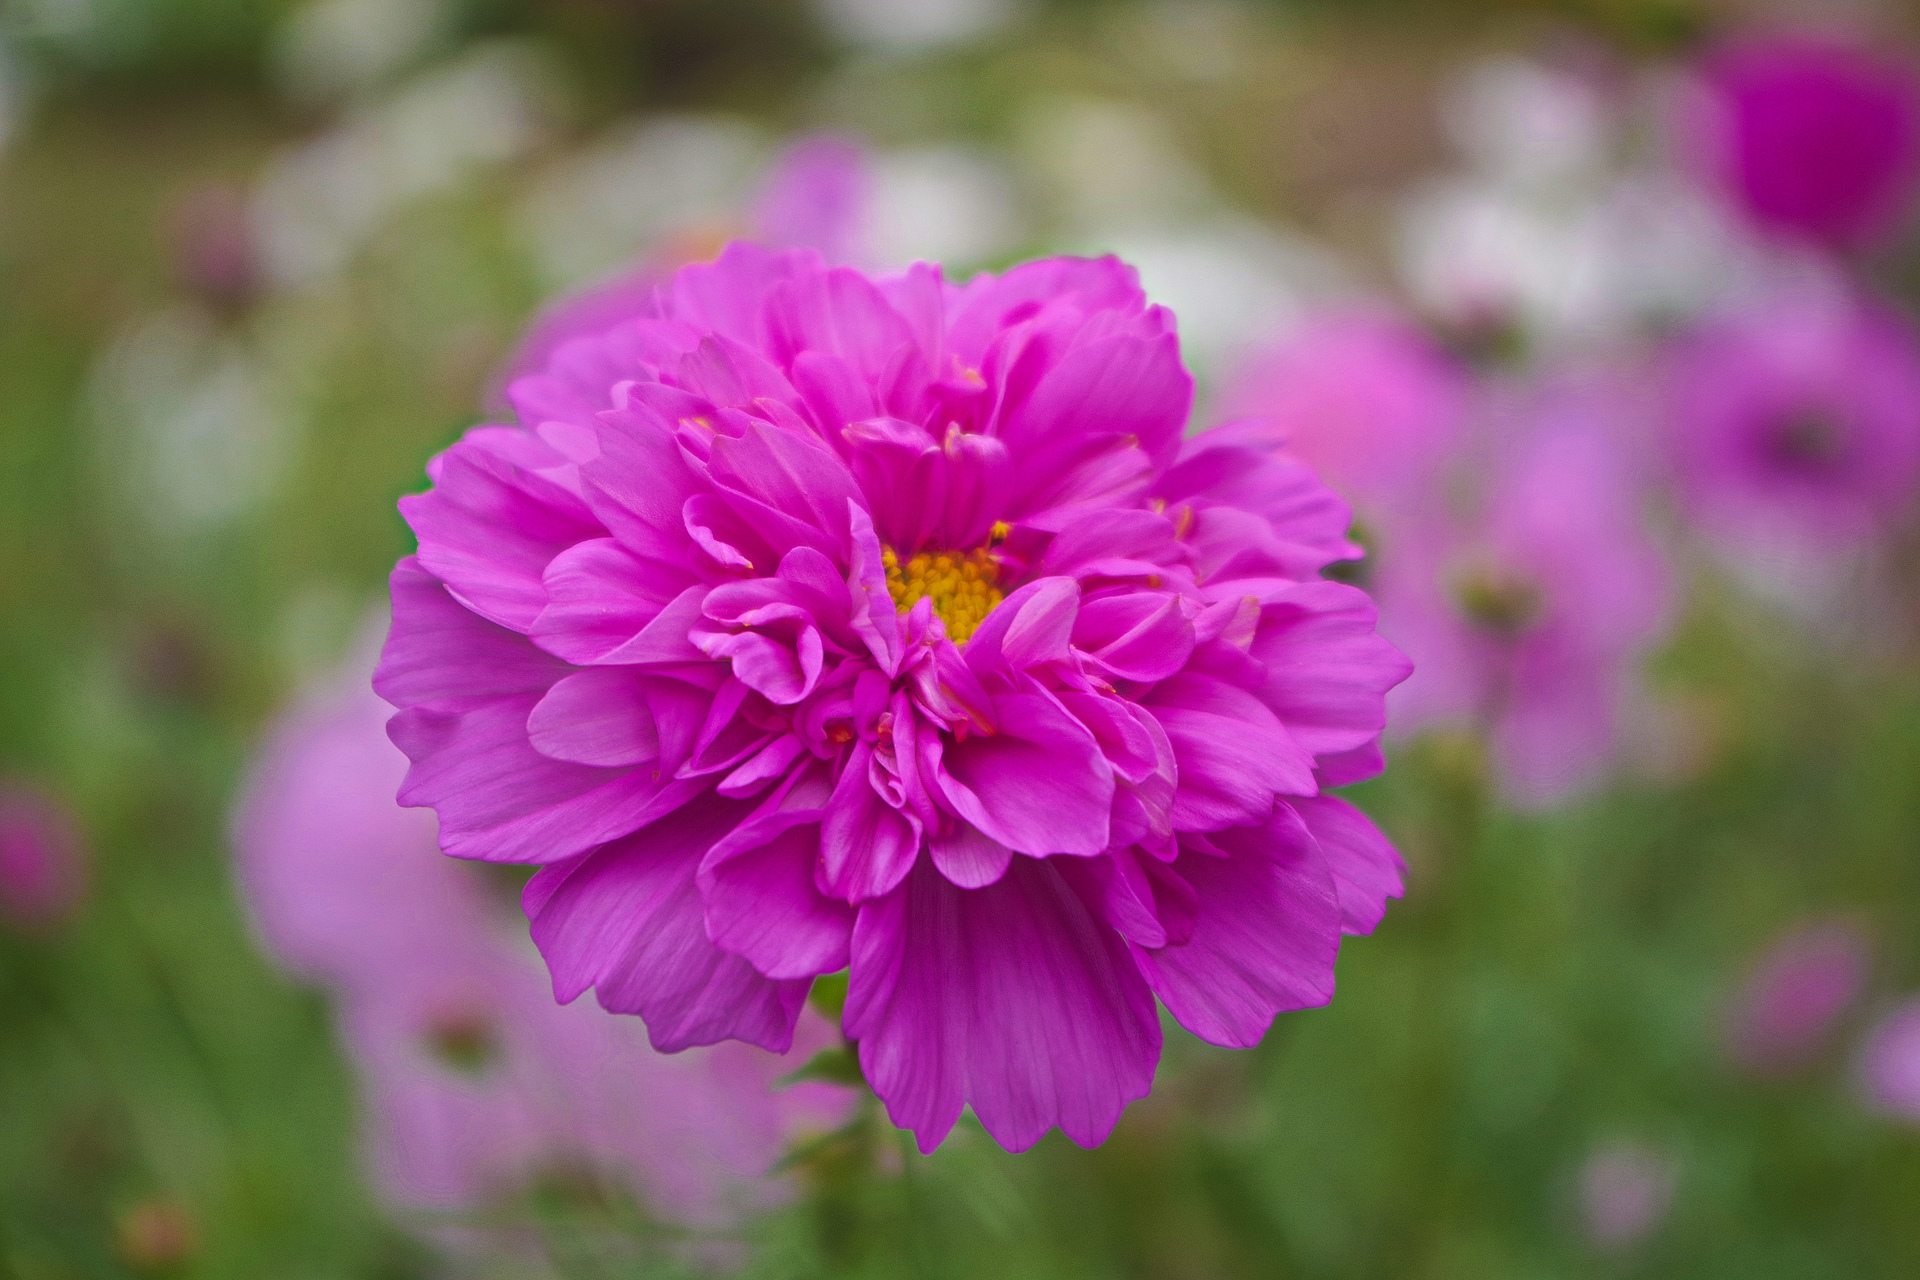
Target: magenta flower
474,1081
1889,1067
1814,136
1786,1010
1525,619
815,621
1799,415
1362,397
42,864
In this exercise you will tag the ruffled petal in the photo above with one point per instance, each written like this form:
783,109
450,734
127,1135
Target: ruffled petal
627,920
488,530
441,654
1040,785
1265,934
1233,755
761,903
1367,869
500,800
1328,668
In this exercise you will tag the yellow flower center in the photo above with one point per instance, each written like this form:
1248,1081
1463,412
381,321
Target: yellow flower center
962,585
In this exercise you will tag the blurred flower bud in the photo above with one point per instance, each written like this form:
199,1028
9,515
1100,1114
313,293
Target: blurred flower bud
211,241
42,865
1626,1189
156,1234
1889,1066
1785,1012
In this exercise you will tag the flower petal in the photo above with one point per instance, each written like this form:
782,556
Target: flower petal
627,920
1367,869
1264,937
1014,999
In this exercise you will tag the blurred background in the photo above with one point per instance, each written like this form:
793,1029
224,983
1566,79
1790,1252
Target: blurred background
1598,313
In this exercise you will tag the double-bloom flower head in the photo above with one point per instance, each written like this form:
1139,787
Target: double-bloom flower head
810,621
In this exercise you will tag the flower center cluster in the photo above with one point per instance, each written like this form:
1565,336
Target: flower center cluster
962,585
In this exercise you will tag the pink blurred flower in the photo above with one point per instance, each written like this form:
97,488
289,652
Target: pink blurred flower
813,621
1889,1064
1526,618
1786,1010
42,861
474,1079
1815,136
1362,397
1799,415
818,195
1626,1189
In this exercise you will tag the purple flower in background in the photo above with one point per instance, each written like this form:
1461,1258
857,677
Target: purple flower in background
474,1079
819,195
1889,1067
1362,397
1526,619
1799,414
1815,136
1626,1189
814,621
42,863
1785,1012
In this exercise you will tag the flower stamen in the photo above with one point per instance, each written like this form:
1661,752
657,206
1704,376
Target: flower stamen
963,586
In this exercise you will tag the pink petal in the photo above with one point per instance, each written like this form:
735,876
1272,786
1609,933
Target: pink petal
627,920
1014,1000
1263,941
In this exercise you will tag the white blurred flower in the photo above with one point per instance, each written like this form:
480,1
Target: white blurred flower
1121,183
1520,123
331,47
1544,232
952,205
908,25
602,207
1232,281
195,428
1102,163
320,202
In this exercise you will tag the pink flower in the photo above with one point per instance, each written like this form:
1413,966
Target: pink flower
1800,415
42,863
1815,136
819,195
474,1079
1889,1069
1786,1010
812,621
1625,1191
1362,397
1525,617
